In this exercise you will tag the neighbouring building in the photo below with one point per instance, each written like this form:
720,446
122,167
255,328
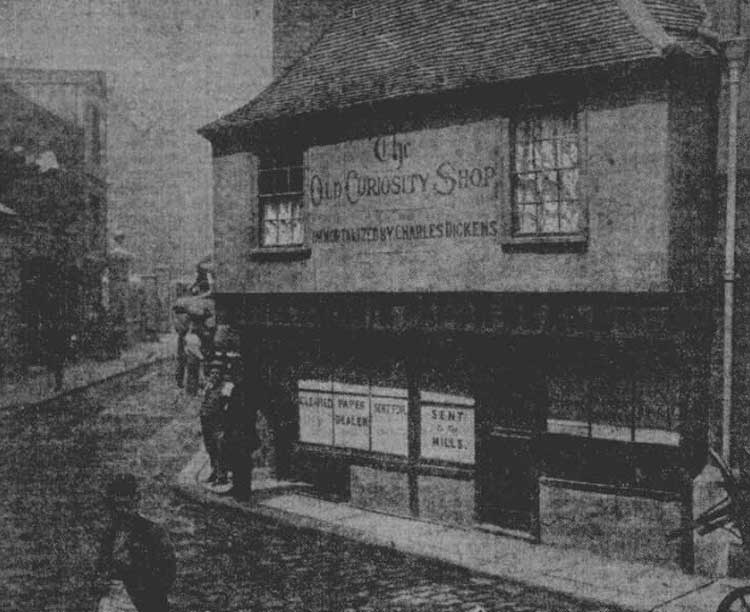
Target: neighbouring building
469,250
52,180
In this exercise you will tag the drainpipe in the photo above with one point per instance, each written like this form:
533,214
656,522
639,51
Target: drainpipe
734,52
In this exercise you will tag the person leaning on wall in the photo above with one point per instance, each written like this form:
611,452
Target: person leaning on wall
212,418
241,435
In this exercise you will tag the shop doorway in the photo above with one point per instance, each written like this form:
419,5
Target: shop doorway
511,412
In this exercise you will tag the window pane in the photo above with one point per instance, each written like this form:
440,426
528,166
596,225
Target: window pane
523,155
270,233
285,211
546,150
548,186
526,189
270,211
285,232
297,235
550,222
612,398
567,152
569,184
570,217
527,219
537,161
567,389
548,128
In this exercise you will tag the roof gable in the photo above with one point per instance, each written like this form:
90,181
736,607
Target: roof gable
389,49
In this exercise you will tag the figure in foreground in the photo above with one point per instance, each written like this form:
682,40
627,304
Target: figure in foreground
136,550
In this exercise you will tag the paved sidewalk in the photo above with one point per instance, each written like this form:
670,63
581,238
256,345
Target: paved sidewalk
580,574
38,387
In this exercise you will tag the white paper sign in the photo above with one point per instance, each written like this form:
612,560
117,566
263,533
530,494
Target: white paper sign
351,418
390,423
315,413
448,432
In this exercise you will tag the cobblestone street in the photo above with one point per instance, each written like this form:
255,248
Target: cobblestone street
54,464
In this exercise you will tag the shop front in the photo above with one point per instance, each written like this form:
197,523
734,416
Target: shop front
501,413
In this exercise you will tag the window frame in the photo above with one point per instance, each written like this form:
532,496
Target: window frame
626,411
275,161
574,241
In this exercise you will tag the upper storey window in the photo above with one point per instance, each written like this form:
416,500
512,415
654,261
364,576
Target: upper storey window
545,171
280,197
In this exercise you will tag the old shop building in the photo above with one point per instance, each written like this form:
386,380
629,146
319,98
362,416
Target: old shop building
466,247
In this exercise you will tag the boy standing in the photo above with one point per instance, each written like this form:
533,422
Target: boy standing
136,550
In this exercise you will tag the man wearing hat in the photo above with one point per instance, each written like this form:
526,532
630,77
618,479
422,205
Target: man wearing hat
135,549
212,416
242,438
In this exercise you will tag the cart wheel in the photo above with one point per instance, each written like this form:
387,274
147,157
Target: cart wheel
738,600
730,482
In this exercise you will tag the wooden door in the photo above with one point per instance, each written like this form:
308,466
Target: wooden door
511,405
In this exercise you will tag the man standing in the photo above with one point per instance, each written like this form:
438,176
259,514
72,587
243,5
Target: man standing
213,415
242,438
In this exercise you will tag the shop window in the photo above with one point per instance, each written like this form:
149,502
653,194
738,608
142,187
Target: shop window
280,179
546,200
615,396
355,397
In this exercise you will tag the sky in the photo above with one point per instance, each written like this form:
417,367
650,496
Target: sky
171,66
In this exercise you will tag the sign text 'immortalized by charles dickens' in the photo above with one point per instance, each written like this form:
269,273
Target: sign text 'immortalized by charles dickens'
447,433
444,181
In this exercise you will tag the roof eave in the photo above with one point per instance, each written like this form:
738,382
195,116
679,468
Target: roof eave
223,127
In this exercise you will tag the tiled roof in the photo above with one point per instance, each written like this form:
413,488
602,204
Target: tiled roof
678,15
388,49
